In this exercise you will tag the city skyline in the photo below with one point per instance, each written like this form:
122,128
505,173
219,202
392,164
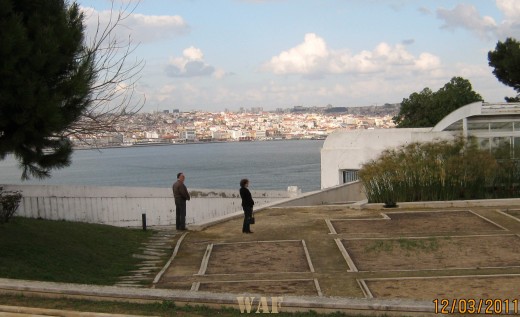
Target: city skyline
231,54
199,126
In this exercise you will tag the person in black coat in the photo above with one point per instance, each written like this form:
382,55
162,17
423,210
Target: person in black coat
247,205
180,193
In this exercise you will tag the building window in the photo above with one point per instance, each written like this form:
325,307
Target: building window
350,176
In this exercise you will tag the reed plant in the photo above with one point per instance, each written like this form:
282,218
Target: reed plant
439,170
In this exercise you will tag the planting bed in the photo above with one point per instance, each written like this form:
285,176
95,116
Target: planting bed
258,257
418,222
475,287
434,253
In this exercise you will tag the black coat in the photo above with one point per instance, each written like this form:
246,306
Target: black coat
247,198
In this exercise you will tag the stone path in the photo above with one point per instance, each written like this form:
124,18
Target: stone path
154,253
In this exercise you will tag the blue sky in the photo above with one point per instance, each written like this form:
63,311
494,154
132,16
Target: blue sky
213,55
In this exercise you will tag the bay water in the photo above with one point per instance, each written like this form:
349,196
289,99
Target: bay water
269,165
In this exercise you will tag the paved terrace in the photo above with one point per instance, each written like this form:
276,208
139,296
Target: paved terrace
368,260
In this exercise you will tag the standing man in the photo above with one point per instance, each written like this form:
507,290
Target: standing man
180,193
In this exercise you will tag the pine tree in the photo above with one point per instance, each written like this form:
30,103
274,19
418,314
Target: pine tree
505,60
46,78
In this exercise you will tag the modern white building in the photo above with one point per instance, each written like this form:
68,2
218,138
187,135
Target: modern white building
189,134
492,124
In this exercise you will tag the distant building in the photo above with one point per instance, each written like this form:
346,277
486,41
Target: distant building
235,134
220,135
257,109
189,135
151,135
492,124
260,134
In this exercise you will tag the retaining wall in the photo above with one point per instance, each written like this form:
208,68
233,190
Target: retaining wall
124,206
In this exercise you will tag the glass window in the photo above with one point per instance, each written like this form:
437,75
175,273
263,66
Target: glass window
478,126
501,126
483,143
516,148
455,126
501,147
350,176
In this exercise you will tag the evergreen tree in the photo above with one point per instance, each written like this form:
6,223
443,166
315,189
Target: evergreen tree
427,108
505,60
46,76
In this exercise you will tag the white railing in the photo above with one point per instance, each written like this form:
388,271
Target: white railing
124,206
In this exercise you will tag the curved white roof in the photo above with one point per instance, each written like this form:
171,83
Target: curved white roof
478,108
473,109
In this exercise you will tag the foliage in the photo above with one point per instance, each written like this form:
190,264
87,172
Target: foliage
438,170
9,201
427,108
53,81
505,60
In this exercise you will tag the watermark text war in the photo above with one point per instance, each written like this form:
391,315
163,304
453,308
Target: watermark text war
248,304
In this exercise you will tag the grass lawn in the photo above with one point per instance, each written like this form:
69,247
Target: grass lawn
63,251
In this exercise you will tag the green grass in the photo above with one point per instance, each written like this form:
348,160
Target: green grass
62,251
408,245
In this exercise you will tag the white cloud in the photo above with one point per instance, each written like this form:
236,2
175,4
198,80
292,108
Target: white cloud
139,27
467,16
190,64
313,57
302,59
510,8
510,27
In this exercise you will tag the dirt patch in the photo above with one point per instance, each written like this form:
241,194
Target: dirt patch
271,288
434,253
418,222
393,264
258,257
470,287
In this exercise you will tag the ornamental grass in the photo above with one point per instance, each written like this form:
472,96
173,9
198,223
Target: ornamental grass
439,170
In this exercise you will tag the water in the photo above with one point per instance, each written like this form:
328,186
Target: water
269,165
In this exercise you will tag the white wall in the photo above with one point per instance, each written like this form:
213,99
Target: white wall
124,206
350,149
341,194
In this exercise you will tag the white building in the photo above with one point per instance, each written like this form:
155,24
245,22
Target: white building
235,134
344,152
189,134
151,135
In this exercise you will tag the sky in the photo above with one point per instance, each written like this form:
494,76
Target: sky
213,55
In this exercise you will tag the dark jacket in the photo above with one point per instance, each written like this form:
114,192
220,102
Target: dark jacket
180,191
247,198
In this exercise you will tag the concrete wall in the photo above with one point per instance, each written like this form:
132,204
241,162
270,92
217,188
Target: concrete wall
350,149
341,194
123,206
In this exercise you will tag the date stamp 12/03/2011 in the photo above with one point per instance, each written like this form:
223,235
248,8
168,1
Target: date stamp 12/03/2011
476,306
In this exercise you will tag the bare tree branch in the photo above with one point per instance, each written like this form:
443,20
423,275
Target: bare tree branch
113,96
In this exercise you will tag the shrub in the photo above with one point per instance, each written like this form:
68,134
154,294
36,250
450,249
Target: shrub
9,202
438,170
